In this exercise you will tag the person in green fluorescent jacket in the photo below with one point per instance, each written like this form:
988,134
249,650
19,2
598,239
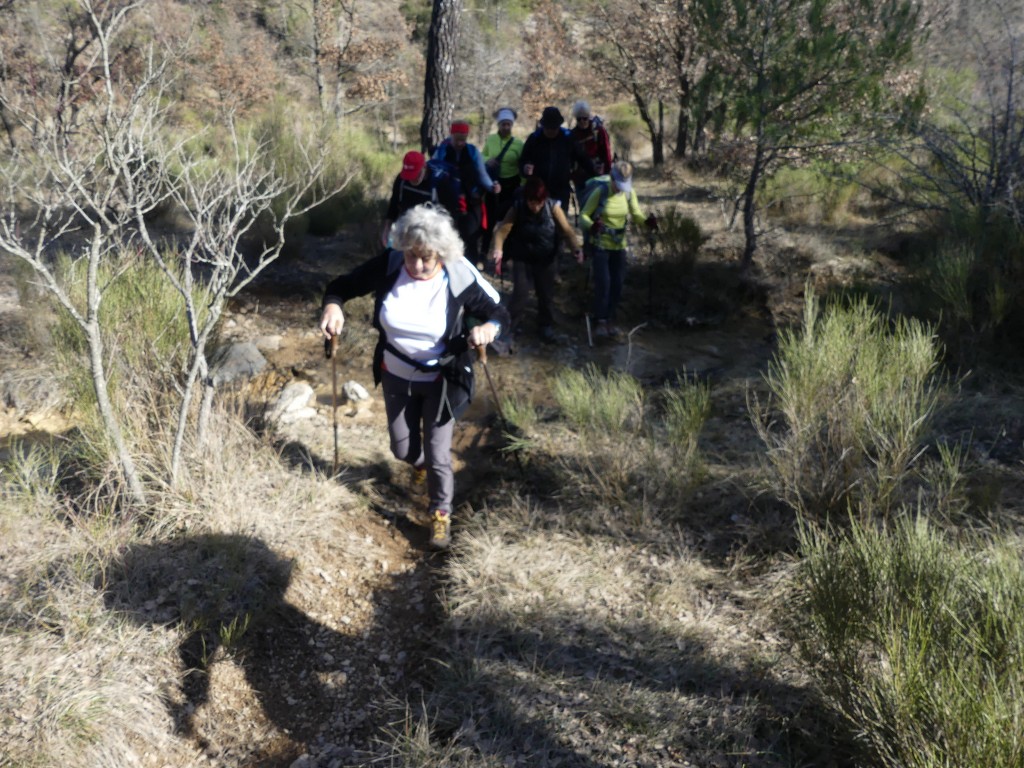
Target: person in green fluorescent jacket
501,153
609,207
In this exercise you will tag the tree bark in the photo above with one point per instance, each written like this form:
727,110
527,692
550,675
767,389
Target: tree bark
654,130
682,130
439,85
98,371
316,56
750,205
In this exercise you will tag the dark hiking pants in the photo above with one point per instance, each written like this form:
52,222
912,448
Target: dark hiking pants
417,438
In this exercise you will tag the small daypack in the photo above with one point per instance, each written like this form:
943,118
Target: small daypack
445,176
601,185
598,185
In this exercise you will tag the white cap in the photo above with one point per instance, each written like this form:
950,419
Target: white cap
622,175
581,109
505,114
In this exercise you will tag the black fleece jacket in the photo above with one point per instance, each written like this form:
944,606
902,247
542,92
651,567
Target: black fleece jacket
467,297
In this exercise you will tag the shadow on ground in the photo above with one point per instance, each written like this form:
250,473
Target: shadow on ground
226,592
571,692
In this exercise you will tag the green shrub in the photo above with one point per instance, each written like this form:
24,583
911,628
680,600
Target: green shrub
520,415
973,272
672,253
625,129
849,402
917,641
629,457
686,409
680,239
145,330
359,202
811,194
356,164
600,404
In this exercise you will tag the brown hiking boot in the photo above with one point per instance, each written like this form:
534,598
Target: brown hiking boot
440,530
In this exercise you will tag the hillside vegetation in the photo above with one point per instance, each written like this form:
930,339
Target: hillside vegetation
779,524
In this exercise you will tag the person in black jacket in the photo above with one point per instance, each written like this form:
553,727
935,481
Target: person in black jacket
465,160
551,154
417,183
424,293
529,233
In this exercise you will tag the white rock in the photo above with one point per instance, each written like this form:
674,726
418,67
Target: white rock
270,343
354,391
302,414
293,398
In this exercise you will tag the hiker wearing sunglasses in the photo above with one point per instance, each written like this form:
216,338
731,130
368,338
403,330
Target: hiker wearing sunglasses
425,290
591,137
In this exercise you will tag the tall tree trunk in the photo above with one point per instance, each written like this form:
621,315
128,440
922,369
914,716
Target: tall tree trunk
659,148
750,204
683,127
655,131
700,134
438,90
316,55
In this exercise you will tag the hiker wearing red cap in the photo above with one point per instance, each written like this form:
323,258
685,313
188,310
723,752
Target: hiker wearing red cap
419,183
467,163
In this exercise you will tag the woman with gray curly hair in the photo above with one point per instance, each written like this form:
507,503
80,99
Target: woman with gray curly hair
428,227
424,293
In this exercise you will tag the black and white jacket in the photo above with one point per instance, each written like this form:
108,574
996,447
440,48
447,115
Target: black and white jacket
469,296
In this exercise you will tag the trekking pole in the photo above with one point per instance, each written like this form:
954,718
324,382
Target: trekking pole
652,236
481,352
586,302
331,351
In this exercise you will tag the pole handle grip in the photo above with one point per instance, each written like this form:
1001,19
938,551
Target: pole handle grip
481,353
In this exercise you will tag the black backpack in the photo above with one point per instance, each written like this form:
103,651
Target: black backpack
445,176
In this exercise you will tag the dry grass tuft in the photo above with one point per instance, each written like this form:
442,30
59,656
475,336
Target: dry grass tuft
579,648
95,610
81,686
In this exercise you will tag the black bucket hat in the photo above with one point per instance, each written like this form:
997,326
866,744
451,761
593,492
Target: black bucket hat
551,117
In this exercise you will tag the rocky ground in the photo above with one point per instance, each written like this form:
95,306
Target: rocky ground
357,617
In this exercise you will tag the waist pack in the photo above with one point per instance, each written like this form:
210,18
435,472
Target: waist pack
459,384
457,377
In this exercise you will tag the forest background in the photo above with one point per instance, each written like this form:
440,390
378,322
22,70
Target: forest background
817,563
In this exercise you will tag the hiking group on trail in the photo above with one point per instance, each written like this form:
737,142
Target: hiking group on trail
452,213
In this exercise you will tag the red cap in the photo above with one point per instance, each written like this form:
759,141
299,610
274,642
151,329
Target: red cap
460,126
412,164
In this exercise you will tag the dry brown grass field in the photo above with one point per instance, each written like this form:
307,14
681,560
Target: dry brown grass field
601,605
